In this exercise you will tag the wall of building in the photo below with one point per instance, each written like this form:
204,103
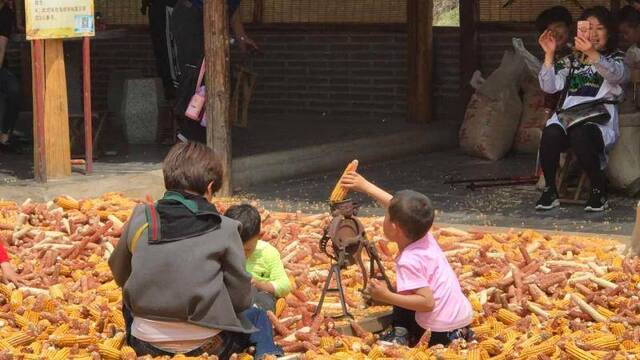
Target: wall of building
339,73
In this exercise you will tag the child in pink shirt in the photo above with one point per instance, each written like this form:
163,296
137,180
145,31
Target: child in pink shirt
428,294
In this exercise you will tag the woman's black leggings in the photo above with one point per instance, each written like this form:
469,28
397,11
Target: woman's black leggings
587,144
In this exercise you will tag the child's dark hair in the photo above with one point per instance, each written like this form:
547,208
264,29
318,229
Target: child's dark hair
629,15
192,166
553,15
412,212
606,19
249,217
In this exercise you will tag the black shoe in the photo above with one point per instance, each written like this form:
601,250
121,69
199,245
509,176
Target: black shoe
597,201
548,200
396,335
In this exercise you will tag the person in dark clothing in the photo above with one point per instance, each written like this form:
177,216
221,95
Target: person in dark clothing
9,83
156,10
187,27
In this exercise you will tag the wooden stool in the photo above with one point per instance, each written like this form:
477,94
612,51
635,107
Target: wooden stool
567,193
76,129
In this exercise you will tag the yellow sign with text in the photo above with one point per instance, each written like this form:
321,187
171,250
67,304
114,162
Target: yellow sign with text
59,19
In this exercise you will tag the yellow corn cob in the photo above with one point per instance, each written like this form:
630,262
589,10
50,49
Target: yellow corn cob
61,330
508,346
116,341
67,203
605,342
339,193
546,347
21,321
244,356
617,329
56,291
36,347
62,354
613,276
108,352
376,353
419,354
533,340
20,339
493,346
127,353
576,353
117,318
535,321
475,303
71,340
16,299
484,330
5,291
5,345
474,354
508,317
605,312
281,304
449,355
32,316
328,344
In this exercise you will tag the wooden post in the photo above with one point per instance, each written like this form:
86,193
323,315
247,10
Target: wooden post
469,49
420,60
88,115
258,11
216,50
56,112
39,151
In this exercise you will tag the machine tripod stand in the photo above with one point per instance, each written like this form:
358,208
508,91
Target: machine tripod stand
348,240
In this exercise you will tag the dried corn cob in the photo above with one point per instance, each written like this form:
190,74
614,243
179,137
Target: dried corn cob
576,353
474,354
108,352
281,304
67,203
71,340
339,193
127,353
20,339
605,342
508,317
56,291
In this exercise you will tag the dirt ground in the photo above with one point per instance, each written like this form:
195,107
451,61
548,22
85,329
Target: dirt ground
503,206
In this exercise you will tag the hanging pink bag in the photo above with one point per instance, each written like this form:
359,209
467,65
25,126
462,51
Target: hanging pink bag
196,104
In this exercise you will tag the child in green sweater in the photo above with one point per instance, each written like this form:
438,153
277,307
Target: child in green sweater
269,279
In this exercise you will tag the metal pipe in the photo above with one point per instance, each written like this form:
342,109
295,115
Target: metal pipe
86,87
474,186
512,178
39,84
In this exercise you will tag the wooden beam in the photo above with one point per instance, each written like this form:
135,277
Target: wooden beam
258,11
56,112
216,50
469,46
420,60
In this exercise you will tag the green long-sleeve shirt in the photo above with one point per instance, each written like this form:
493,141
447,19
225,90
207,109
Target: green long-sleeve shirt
265,264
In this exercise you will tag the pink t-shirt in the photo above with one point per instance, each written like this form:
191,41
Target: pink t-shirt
424,264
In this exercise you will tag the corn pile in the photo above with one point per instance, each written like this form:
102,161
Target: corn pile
535,296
